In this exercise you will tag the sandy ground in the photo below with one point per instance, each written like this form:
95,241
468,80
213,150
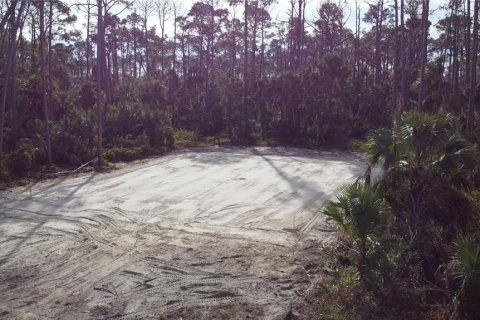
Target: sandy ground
220,233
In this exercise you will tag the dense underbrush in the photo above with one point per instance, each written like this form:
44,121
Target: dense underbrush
410,237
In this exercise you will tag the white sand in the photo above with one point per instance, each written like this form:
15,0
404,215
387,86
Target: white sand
189,231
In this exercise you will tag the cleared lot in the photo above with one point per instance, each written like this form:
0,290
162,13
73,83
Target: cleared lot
215,233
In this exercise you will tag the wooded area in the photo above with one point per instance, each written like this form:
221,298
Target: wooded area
228,68
124,88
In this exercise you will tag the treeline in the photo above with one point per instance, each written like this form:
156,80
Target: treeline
227,69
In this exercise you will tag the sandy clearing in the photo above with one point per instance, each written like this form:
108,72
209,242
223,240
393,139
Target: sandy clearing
219,232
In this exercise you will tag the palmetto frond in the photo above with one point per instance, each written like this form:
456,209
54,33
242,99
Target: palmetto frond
424,134
456,160
416,139
359,211
382,147
466,259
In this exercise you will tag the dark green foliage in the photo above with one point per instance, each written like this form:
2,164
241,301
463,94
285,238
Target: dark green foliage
132,119
4,168
363,215
152,93
428,169
429,182
184,138
360,212
314,107
87,96
125,154
73,139
23,158
466,265
128,148
158,128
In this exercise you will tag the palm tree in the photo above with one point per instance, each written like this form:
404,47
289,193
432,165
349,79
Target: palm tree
426,180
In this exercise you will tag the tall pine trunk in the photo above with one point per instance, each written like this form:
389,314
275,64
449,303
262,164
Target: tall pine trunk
9,72
378,38
13,94
245,68
473,73
43,84
403,51
423,61
50,75
174,56
396,59
468,39
455,62
100,72
88,42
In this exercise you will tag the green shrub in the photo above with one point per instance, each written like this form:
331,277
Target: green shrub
241,134
157,126
466,263
130,141
362,214
130,120
429,182
4,169
184,138
23,158
87,96
125,154
70,149
128,148
73,140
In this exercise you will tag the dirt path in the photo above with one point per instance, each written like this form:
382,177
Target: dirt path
219,233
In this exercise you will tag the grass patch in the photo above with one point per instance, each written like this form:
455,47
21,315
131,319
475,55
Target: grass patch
116,154
184,138
190,139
